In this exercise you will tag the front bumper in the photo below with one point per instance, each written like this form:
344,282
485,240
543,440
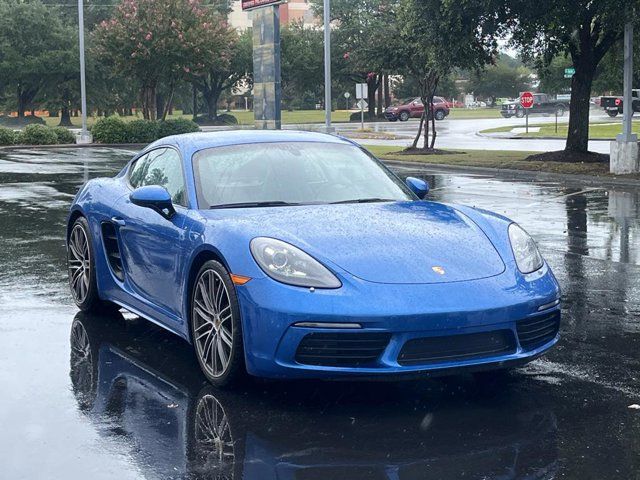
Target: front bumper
489,308
508,112
391,115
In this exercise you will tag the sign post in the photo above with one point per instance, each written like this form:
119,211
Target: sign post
267,90
346,97
526,101
361,92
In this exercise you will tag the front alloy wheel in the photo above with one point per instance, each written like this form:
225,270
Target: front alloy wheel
79,261
215,325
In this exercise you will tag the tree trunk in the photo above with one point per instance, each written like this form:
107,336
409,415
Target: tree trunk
167,106
65,117
372,86
578,134
415,140
22,107
211,99
195,102
387,92
380,110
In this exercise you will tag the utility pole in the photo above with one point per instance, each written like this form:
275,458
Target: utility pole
624,149
627,105
327,65
84,134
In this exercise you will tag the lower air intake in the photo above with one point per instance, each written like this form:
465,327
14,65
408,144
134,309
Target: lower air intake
341,349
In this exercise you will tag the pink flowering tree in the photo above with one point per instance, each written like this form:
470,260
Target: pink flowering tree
158,41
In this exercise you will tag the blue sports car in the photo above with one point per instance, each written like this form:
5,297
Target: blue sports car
299,255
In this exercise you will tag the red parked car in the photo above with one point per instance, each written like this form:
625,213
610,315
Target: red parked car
413,108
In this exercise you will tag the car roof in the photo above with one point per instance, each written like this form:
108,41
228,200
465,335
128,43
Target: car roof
189,143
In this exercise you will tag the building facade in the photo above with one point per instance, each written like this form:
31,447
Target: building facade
292,11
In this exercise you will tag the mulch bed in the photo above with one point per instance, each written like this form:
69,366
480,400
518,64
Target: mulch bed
424,151
569,157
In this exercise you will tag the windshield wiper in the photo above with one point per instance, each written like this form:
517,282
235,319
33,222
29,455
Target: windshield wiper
364,200
273,203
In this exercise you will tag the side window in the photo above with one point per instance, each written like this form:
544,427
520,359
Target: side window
160,167
136,175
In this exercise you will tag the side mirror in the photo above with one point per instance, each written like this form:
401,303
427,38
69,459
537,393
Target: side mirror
417,186
154,197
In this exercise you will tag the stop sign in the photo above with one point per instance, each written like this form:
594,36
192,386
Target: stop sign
526,100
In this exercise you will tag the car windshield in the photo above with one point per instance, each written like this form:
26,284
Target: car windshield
272,174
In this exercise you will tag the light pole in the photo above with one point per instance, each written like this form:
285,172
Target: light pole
84,134
327,65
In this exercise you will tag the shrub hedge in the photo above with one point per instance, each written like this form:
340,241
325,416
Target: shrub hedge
37,135
65,136
110,130
115,130
142,131
7,136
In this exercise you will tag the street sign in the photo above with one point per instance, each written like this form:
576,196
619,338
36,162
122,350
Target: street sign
361,90
362,104
526,100
569,71
251,4
347,94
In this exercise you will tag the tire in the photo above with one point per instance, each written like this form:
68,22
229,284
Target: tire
440,115
81,266
520,113
404,116
221,362
392,119
612,113
560,111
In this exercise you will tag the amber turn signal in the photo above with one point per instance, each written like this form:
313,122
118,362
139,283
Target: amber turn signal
239,279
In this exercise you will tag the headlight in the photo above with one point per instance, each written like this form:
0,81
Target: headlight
288,264
524,249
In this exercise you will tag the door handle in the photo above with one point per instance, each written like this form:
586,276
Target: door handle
118,221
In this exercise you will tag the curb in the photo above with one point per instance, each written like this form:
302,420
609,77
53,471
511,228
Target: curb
74,145
514,136
509,173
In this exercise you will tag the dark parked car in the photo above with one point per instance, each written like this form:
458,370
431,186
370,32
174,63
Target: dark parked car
413,108
542,103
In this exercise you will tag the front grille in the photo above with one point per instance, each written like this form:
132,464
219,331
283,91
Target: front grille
535,332
457,347
341,349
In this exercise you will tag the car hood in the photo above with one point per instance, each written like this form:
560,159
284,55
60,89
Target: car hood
400,242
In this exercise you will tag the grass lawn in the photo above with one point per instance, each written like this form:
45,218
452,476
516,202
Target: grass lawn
606,131
494,159
298,116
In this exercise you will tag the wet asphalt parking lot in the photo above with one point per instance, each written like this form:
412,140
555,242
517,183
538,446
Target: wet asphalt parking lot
89,397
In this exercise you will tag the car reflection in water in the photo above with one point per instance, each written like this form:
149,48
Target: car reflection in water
142,387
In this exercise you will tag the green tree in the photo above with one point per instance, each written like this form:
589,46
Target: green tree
226,63
438,36
36,49
585,30
503,79
159,41
363,41
302,71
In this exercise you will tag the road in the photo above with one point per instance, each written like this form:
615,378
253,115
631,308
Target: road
131,403
461,133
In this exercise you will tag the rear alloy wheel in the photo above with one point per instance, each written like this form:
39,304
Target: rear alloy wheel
560,111
215,325
404,116
520,113
440,115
